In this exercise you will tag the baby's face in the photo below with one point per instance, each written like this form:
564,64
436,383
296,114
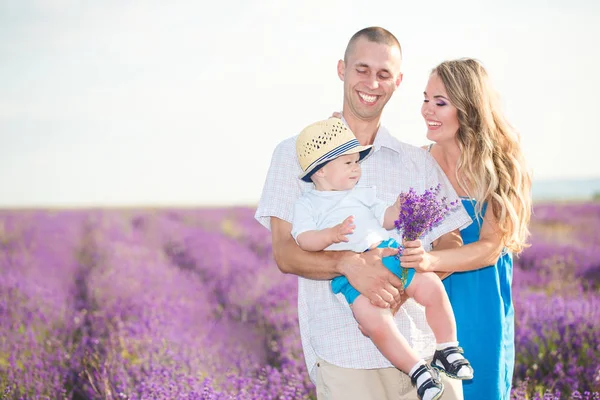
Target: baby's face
342,173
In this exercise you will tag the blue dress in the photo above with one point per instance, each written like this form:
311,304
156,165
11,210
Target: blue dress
484,312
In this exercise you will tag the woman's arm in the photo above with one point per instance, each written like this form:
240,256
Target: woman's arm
479,254
450,240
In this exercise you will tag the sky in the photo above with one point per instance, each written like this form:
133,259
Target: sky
181,103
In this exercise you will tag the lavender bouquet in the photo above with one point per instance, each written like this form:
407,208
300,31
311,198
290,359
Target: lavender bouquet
419,213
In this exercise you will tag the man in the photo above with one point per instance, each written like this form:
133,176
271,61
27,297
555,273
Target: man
342,362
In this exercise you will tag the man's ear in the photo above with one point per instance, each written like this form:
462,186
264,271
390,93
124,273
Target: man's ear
399,79
341,69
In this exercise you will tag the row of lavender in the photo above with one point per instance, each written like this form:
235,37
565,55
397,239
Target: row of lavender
557,302
188,304
98,306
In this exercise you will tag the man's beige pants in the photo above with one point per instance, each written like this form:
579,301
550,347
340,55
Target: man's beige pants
336,383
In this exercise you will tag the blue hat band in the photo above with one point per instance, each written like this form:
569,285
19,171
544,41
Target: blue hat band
335,152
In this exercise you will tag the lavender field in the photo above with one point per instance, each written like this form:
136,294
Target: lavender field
188,304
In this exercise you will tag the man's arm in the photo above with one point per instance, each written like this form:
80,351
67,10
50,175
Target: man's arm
364,270
291,259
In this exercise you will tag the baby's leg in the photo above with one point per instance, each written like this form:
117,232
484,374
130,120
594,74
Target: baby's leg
378,324
427,289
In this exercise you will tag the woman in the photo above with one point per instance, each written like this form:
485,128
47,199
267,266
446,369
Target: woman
481,155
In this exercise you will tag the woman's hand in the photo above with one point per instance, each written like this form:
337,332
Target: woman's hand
336,115
415,256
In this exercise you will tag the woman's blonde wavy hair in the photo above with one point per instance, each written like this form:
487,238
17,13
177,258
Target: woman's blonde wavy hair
491,166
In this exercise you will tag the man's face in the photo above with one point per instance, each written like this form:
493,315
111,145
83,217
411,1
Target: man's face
370,74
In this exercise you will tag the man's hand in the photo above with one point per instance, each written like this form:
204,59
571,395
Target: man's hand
366,273
339,231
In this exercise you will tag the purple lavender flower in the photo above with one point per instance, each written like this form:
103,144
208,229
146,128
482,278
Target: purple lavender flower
421,213
189,304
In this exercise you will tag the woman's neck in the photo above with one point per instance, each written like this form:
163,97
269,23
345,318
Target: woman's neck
447,155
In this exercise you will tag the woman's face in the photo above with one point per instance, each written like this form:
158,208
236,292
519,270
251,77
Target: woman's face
439,114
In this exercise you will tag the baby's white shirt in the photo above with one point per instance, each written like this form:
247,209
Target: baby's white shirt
316,210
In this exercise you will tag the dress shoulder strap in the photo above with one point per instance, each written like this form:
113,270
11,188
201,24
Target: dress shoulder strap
429,148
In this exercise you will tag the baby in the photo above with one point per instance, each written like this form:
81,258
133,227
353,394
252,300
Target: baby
339,215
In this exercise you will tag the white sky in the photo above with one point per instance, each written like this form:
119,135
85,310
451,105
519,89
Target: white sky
134,102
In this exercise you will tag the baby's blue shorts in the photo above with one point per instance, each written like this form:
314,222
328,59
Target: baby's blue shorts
341,285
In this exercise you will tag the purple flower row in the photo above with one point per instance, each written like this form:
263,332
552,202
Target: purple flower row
189,304
40,351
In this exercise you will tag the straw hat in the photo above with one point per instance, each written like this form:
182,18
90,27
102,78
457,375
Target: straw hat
324,141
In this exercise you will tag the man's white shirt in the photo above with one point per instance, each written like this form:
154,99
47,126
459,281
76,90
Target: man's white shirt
327,327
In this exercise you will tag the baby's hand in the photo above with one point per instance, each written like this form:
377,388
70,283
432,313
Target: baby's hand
340,231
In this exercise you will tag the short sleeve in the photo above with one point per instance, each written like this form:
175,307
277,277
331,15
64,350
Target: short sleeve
458,217
282,186
303,220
